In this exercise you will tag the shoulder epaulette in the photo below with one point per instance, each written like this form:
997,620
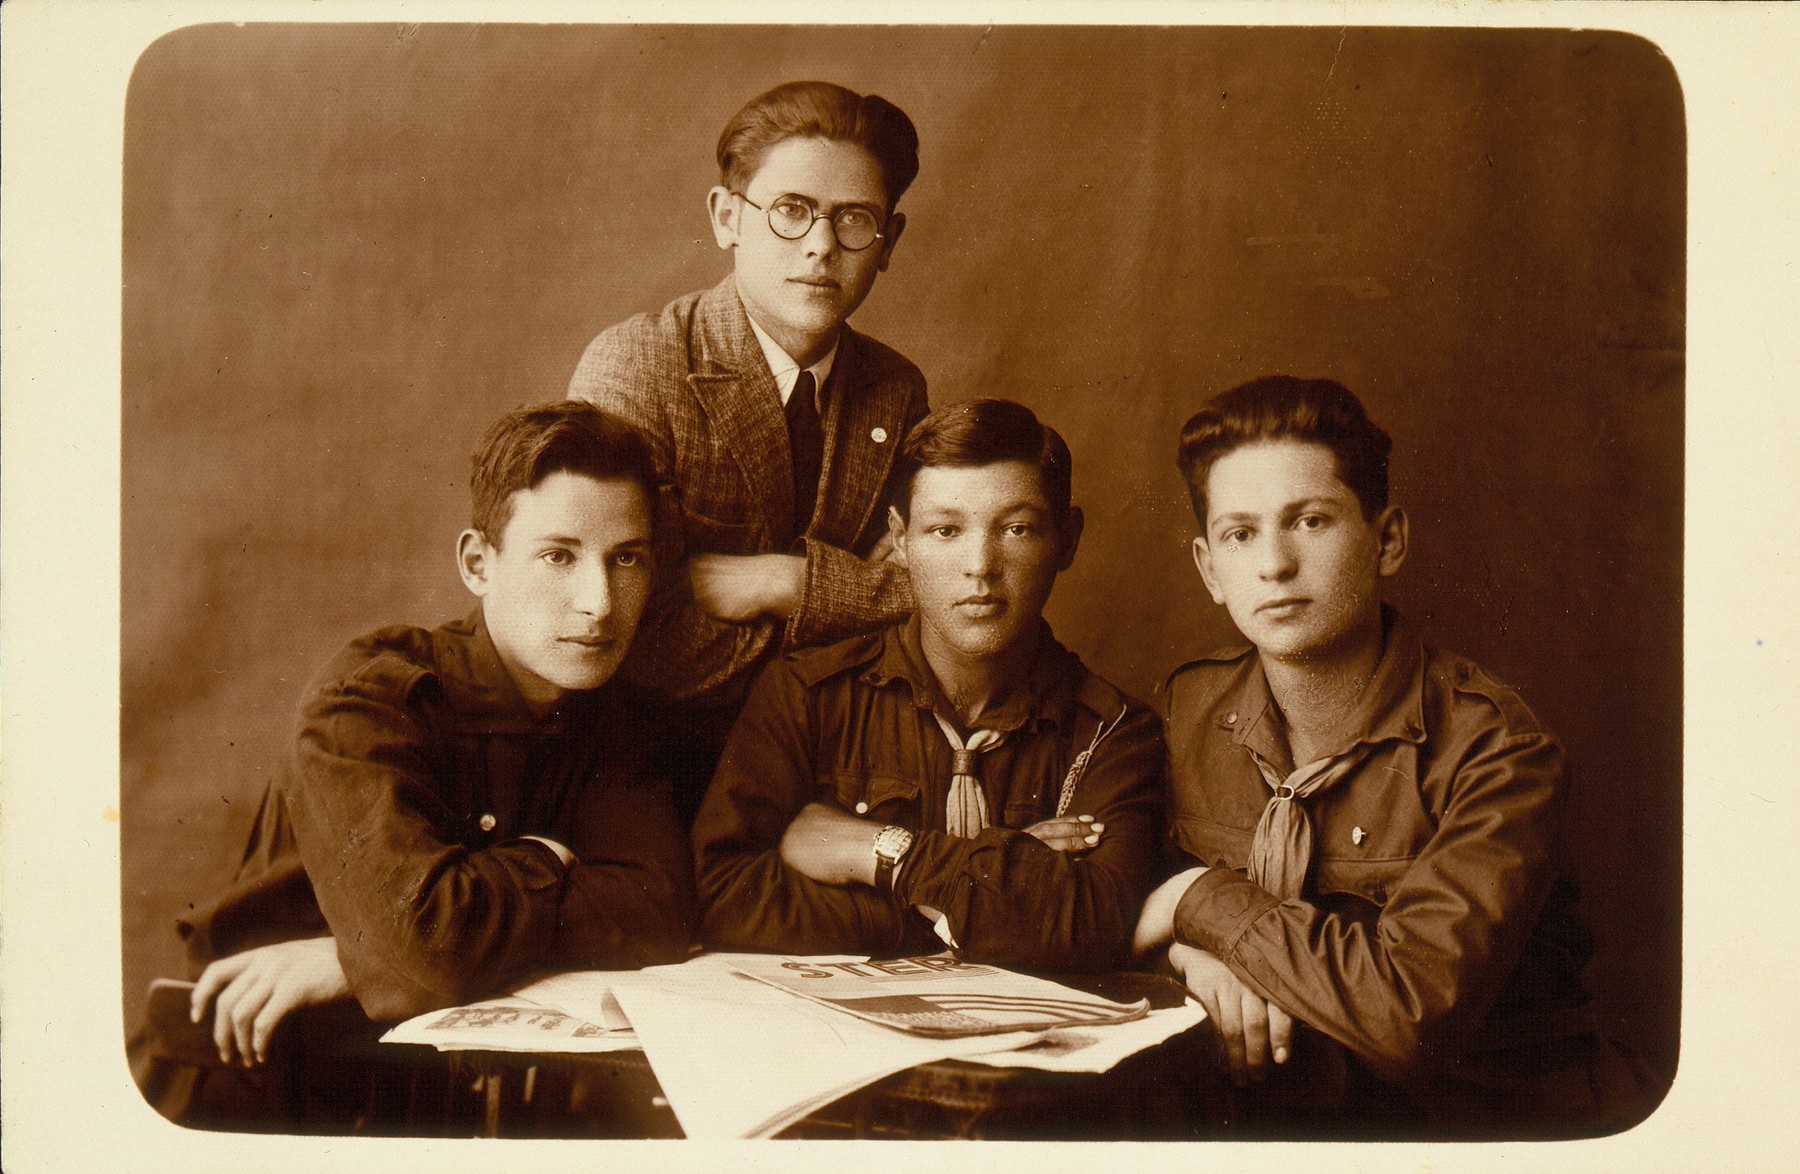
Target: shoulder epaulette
390,661
1466,677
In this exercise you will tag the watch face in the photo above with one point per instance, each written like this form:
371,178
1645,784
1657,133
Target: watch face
890,842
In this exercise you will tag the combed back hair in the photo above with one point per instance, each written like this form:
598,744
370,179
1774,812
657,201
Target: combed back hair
980,432
1283,407
820,110
528,444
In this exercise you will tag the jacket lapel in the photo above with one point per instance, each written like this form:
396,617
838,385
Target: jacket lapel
865,421
735,387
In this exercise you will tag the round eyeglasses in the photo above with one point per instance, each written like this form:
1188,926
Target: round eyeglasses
792,217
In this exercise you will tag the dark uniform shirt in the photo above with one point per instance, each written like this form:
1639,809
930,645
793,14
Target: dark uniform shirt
1432,927
397,827
852,724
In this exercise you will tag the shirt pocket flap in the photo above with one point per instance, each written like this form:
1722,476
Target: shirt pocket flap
1212,844
1372,880
869,794
1022,813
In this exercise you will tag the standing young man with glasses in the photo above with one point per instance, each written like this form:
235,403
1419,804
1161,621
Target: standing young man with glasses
774,425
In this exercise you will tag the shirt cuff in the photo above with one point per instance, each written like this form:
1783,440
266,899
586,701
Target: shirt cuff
933,870
803,622
1218,909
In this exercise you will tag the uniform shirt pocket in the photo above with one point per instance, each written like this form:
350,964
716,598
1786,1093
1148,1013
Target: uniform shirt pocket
887,798
1022,813
1215,845
1372,880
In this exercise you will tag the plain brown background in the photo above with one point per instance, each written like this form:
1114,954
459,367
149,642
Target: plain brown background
348,248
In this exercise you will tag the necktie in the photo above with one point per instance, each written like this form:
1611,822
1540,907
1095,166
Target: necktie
965,812
806,440
1281,849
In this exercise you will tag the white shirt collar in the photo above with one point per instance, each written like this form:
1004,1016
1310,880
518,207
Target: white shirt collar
786,370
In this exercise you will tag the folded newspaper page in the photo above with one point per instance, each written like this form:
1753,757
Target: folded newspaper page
742,1058
510,1024
939,996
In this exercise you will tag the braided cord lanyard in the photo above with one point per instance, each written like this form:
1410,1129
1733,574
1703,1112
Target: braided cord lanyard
1079,766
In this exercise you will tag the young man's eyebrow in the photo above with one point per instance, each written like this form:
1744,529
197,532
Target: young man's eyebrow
865,205
1309,503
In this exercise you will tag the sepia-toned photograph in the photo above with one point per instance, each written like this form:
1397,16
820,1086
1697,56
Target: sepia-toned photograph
1017,582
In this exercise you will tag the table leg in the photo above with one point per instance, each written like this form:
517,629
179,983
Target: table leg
490,1121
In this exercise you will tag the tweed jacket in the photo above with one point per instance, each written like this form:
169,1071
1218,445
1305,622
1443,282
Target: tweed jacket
693,378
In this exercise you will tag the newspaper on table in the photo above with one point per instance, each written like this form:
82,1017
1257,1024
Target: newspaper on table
940,996
513,1024
740,1058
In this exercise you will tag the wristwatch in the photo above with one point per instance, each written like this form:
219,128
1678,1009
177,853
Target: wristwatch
891,843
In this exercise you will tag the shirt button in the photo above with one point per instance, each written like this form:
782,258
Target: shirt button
1231,718
878,435
487,823
862,809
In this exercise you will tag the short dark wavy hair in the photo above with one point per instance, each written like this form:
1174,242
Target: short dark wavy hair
820,110
1284,407
977,432
528,444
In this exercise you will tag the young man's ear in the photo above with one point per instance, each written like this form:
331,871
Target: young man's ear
1391,531
1071,528
1203,561
472,557
897,535
890,236
725,212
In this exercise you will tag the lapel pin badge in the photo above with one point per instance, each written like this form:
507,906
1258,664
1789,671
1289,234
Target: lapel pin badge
1357,836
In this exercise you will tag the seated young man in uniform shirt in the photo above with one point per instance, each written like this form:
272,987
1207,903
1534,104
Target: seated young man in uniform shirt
467,803
1371,821
960,772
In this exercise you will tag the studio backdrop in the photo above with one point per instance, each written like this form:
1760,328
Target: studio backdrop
348,248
